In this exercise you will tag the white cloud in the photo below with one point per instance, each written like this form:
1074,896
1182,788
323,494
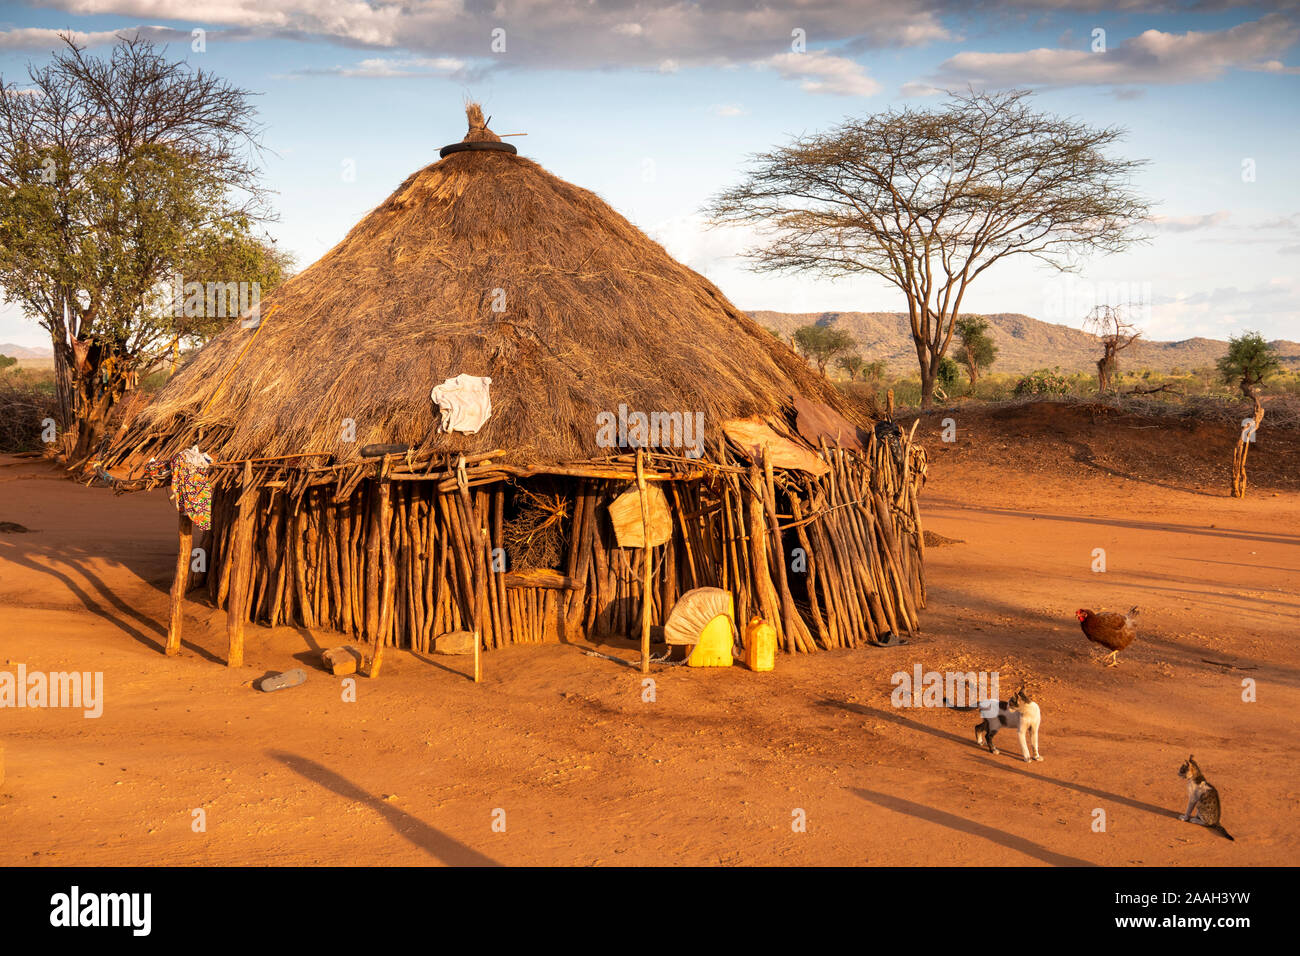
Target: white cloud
1190,223
822,72
920,29
1282,222
1148,58
381,67
1225,310
914,89
727,109
41,39
690,239
558,33
1274,66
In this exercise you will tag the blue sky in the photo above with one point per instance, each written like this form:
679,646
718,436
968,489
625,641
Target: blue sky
655,107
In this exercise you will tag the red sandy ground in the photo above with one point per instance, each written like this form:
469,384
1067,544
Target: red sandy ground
714,769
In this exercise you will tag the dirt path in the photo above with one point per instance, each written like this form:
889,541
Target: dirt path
716,768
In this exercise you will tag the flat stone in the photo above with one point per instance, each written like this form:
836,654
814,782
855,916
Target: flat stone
342,660
454,642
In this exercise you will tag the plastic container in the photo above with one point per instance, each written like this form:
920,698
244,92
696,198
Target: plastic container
714,646
760,645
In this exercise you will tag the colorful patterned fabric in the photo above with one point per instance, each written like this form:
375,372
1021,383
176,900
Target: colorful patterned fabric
192,486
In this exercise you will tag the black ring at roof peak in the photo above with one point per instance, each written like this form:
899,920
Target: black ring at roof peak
476,146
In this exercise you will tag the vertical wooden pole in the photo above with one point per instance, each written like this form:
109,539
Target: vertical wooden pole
184,545
765,595
686,536
645,562
375,552
477,552
241,557
388,557
794,625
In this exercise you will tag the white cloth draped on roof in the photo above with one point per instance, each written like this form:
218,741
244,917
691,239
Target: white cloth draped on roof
464,403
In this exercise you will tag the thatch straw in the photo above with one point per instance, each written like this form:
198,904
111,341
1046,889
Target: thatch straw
478,129
595,314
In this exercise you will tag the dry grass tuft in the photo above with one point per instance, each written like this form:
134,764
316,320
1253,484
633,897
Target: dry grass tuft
537,535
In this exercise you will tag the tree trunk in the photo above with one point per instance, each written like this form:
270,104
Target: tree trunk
64,385
94,401
64,367
175,362
929,365
927,388
1247,438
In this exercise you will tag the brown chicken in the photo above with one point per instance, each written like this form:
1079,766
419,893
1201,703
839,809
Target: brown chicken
1109,629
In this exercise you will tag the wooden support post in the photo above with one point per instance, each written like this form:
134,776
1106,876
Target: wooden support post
645,563
375,552
765,595
184,545
241,557
794,624
477,553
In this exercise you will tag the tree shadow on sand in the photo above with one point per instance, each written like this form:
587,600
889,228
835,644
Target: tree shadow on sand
1003,763
1166,527
1082,788
893,718
126,617
437,844
962,825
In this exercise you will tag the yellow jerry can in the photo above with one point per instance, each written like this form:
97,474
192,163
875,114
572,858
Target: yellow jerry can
760,645
714,646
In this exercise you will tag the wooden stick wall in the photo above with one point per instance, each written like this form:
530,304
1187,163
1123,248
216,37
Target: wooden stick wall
399,558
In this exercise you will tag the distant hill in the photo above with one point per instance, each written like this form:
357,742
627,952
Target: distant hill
1024,344
25,352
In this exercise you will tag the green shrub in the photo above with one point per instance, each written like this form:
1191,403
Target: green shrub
949,372
1042,382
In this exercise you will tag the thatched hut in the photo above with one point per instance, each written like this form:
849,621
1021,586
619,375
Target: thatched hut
340,500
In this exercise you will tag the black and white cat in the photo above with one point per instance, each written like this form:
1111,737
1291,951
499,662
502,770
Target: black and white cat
1202,799
1020,713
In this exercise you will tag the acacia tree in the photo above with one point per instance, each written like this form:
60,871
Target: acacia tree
822,343
929,199
874,371
119,174
1248,362
1116,333
977,350
853,364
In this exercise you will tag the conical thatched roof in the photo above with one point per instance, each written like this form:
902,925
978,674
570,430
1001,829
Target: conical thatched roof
595,314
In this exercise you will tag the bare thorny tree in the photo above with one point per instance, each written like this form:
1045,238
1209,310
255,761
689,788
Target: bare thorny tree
1116,333
930,199
120,172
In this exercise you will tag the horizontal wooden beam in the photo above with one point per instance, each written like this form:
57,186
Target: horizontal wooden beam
540,578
